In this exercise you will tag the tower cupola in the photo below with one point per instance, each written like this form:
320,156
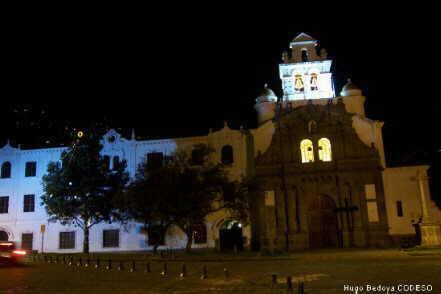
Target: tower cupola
265,105
350,89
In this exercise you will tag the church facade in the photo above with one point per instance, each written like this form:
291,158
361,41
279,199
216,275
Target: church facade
319,161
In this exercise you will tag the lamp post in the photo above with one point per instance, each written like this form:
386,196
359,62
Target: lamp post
430,231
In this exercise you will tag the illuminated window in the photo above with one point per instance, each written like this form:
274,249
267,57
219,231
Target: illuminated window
313,82
298,83
307,150
324,146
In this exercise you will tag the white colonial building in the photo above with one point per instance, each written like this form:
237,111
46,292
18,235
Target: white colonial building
306,79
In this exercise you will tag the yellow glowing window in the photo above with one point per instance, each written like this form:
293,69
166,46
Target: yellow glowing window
307,151
298,83
324,146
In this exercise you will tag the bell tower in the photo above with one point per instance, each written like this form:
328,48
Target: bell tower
305,73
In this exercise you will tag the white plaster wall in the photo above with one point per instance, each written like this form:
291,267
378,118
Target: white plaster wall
400,185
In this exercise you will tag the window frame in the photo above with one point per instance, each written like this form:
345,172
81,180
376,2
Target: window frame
27,196
30,169
31,241
307,156
3,169
323,154
109,243
63,244
4,209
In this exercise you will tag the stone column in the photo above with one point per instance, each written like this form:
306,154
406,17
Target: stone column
430,231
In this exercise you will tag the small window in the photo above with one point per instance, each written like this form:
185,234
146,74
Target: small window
200,233
29,203
4,204
106,162
116,162
6,170
110,238
27,241
67,240
156,235
31,169
227,157
399,209
324,146
155,160
197,157
307,151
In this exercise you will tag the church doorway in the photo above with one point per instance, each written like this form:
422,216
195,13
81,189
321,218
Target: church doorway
322,222
230,236
3,236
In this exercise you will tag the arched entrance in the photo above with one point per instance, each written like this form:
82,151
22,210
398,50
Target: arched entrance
3,236
230,236
322,222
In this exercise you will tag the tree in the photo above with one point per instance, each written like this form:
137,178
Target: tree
81,189
183,192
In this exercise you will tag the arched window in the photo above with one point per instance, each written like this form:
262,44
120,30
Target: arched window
227,155
298,83
6,170
307,150
324,146
304,55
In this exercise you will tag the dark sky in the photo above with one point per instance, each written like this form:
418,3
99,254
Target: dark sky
181,78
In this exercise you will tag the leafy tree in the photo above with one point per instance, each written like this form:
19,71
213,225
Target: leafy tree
183,192
81,189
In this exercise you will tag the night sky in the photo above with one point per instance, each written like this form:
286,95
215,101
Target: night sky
183,79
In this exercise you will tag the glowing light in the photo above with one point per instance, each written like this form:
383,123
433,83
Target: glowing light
6,244
240,225
19,252
80,134
325,153
307,150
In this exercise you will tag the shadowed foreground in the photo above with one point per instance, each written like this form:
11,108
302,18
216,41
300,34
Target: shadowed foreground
323,272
